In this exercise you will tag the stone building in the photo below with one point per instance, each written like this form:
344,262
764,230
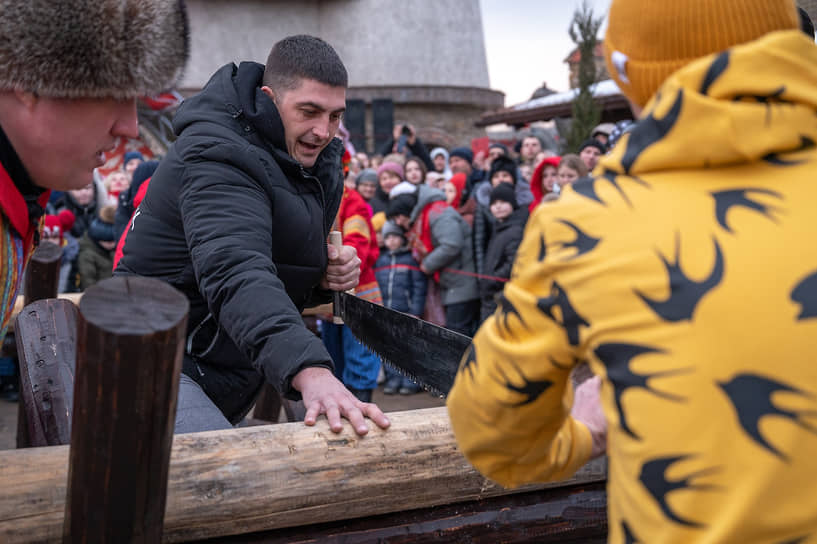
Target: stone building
409,62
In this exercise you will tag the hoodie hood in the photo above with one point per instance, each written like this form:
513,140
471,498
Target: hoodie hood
441,151
745,104
425,196
536,180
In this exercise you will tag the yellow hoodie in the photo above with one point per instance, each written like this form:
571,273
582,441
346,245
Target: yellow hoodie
685,273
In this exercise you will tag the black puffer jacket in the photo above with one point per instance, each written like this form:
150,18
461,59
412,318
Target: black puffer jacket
499,258
240,227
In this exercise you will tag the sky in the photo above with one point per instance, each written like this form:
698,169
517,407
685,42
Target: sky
526,42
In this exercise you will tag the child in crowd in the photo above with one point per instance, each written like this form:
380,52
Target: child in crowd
130,161
403,287
115,183
571,168
57,230
96,249
415,171
501,251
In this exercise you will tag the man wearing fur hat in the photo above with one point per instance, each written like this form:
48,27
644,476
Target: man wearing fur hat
68,88
685,277
237,217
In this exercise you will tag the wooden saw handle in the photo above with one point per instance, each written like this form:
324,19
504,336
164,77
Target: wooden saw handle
336,239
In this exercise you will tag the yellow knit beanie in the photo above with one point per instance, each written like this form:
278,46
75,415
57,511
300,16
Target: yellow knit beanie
647,40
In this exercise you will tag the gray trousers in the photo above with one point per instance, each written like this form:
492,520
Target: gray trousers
195,412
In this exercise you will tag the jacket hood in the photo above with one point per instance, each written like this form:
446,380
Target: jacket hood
536,179
425,196
745,104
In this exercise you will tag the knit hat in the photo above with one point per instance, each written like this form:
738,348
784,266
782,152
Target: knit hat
390,227
463,153
503,164
505,193
646,41
93,48
130,155
593,143
499,145
58,225
368,175
401,205
390,167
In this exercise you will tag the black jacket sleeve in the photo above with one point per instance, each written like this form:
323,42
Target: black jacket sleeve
420,151
228,227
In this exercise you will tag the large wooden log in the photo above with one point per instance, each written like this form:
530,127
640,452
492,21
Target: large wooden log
130,342
261,478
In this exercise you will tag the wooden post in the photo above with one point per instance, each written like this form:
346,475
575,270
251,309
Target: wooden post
130,342
41,282
43,273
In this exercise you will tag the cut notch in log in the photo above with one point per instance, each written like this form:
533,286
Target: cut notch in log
130,342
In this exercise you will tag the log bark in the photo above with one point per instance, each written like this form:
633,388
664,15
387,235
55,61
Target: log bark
262,478
130,342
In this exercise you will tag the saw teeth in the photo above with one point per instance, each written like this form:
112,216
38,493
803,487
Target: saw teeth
408,375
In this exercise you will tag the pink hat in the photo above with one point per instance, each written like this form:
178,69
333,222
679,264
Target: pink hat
390,167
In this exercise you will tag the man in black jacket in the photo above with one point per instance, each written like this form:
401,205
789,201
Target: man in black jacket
236,217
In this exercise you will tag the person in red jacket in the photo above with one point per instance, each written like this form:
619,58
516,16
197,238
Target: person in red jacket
355,365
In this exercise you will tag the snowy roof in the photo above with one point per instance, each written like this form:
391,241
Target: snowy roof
603,88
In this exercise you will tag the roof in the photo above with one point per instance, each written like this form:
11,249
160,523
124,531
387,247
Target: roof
606,93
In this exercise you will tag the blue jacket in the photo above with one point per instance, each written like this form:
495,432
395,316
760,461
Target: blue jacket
401,282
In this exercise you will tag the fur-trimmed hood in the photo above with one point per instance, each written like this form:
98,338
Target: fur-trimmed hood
93,48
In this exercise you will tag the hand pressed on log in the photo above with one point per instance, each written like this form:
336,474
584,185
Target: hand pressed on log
343,271
323,393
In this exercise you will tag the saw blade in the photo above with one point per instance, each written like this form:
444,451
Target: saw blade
425,352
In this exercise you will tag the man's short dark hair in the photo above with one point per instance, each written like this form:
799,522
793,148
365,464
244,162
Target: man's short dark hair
303,57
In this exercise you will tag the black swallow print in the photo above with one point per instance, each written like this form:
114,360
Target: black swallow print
617,359
805,294
751,396
543,251
776,160
571,320
587,186
583,243
530,389
716,69
563,366
795,540
725,200
629,537
774,97
469,361
654,477
685,294
650,130
506,310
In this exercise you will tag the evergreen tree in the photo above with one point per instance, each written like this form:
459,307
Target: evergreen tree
583,31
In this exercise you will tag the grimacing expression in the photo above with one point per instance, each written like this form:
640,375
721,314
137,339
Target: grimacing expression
460,165
530,147
67,138
311,114
590,155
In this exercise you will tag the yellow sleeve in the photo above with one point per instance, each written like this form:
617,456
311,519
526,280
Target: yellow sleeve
510,403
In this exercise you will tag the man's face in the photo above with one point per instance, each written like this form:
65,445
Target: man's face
63,140
590,155
460,166
366,189
439,162
530,147
310,113
501,176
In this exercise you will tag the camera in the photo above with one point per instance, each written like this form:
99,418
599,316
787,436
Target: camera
406,130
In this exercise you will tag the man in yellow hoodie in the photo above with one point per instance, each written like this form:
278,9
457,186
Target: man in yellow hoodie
684,273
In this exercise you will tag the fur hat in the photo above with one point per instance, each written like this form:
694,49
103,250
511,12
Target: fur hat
505,193
463,153
93,48
646,41
503,164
